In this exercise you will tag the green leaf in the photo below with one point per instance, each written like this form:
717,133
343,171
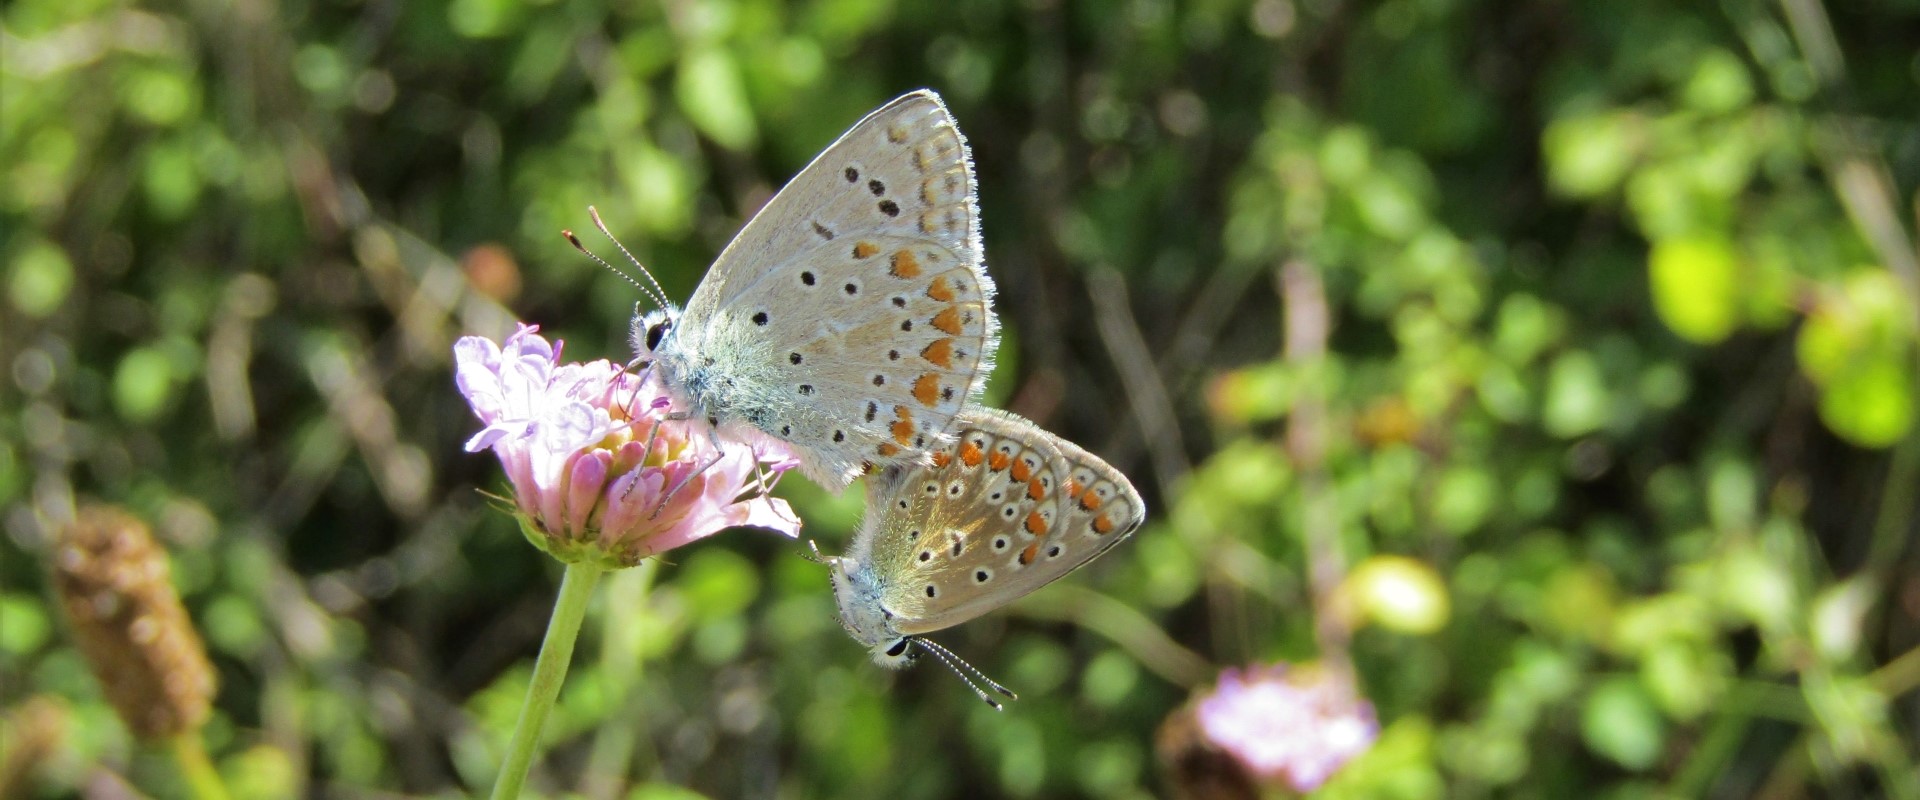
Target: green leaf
717,583
23,624
1621,723
1719,83
1464,498
142,384
1588,156
663,791
1695,287
1577,401
661,187
484,19
172,180
711,93
42,277
1870,405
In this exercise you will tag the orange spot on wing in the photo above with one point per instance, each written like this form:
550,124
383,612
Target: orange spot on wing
926,389
905,265
1032,552
997,461
1034,490
948,320
887,449
1073,488
903,431
1101,524
1090,501
1021,471
942,459
940,290
970,455
940,353
865,249
1036,524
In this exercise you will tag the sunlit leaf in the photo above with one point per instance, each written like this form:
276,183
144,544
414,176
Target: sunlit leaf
709,90
1577,401
1695,287
1589,155
1620,722
1872,404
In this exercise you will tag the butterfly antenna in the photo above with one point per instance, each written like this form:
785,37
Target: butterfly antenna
657,291
575,240
967,673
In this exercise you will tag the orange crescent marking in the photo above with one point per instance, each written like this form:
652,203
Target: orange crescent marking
1032,552
939,353
948,321
940,290
1036,524
1035,490
905,265
865,249
942,459
1102,525
926,389
887,449
997,461
970,455
1090,501
1021,471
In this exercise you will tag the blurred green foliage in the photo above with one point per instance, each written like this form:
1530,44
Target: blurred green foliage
1613,437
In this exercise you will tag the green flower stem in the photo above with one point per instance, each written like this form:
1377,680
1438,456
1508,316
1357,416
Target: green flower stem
556,651
191,754
610,759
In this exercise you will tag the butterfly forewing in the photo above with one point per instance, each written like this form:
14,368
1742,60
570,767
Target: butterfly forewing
852,316
997,514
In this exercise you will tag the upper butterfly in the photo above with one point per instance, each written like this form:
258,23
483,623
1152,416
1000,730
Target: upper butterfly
852,317
1005,509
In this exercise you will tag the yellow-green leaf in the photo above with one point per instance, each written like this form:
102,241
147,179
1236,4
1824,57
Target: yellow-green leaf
1695,287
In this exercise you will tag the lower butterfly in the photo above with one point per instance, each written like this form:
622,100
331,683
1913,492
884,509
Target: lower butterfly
1002,510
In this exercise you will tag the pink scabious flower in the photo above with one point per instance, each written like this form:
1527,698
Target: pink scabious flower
599,469
1300,728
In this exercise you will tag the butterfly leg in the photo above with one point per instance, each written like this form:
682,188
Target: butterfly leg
645,454
645,373
667,497
764,480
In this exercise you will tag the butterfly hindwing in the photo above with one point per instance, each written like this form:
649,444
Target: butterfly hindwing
997,514
852,316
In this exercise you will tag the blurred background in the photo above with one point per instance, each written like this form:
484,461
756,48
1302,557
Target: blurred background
1549,367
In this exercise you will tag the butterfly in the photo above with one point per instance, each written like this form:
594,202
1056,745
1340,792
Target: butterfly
852,317
1002,510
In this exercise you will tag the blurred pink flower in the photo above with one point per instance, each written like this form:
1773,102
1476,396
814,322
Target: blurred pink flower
1301,728
594,460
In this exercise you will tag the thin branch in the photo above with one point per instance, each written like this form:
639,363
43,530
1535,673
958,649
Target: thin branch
1125,626
1146,392
1307,326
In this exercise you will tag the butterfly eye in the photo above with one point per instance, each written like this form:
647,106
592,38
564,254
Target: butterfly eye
657,332
898,648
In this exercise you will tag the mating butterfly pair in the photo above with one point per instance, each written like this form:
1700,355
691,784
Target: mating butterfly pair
852,319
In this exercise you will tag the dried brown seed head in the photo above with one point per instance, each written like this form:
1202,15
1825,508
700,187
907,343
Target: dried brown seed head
112,581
